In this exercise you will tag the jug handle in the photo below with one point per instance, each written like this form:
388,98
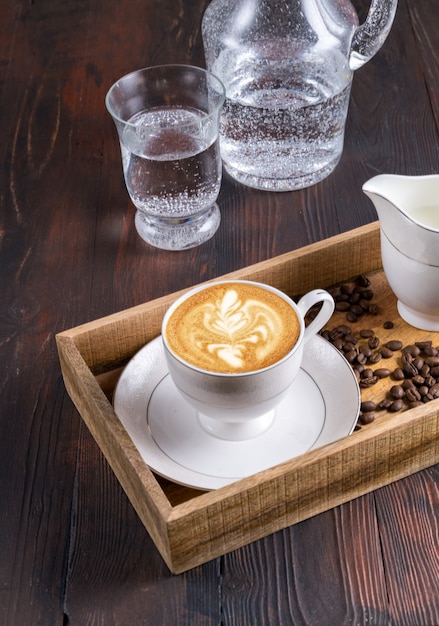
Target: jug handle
370,36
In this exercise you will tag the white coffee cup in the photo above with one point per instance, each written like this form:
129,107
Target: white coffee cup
241,405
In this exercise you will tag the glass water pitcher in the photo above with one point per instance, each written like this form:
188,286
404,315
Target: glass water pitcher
287,66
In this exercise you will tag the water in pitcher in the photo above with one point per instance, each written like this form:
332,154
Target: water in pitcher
283,124
171,161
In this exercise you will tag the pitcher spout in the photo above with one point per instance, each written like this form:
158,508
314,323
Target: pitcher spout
385,193
396,197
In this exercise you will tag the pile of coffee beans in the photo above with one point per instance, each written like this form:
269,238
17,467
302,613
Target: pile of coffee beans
415,379
355,300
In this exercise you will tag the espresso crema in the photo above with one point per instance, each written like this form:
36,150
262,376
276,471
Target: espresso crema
232,328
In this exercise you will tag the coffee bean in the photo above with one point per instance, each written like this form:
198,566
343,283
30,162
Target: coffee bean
434,371
340,305
374,309
434,390
418,380
394,345
432,361
335,334
413,350
346,289
367,372
382,372
384,404
367,294
348,347
388,325
412,394
364,304
408,384
351,317
351,338
351,356
368,406
397,392
418,362
386,352
375,358
431,351
373,342
365,334
416,403
423,345
368,382
357,310
367,418
338,343
409,370
398,374
344,329
424,370
396,406
361,358
362,281
407,357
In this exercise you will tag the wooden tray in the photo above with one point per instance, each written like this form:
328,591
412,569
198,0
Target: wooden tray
190,527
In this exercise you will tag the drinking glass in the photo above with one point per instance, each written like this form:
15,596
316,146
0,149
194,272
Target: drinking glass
167,119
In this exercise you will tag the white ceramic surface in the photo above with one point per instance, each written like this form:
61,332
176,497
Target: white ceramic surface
234,405
408,211
321,407
415,284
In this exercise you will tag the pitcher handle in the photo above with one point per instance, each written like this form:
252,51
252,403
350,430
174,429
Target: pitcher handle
370,36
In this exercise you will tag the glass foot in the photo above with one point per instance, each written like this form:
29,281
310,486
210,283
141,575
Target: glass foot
178,234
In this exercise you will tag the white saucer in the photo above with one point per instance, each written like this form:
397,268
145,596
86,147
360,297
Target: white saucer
321,407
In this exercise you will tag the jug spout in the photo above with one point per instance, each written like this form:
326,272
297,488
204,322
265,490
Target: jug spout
370,36
398,198
386,192
408,209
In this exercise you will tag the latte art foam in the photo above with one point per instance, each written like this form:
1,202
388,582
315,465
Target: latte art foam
233,328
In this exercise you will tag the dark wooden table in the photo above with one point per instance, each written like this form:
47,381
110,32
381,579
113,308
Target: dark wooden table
72,550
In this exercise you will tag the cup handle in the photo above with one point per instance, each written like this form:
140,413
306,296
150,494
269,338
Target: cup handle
307,302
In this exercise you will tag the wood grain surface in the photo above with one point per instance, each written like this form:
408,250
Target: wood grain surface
73,550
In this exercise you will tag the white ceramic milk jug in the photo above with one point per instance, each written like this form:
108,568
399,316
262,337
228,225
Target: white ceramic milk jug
408,211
